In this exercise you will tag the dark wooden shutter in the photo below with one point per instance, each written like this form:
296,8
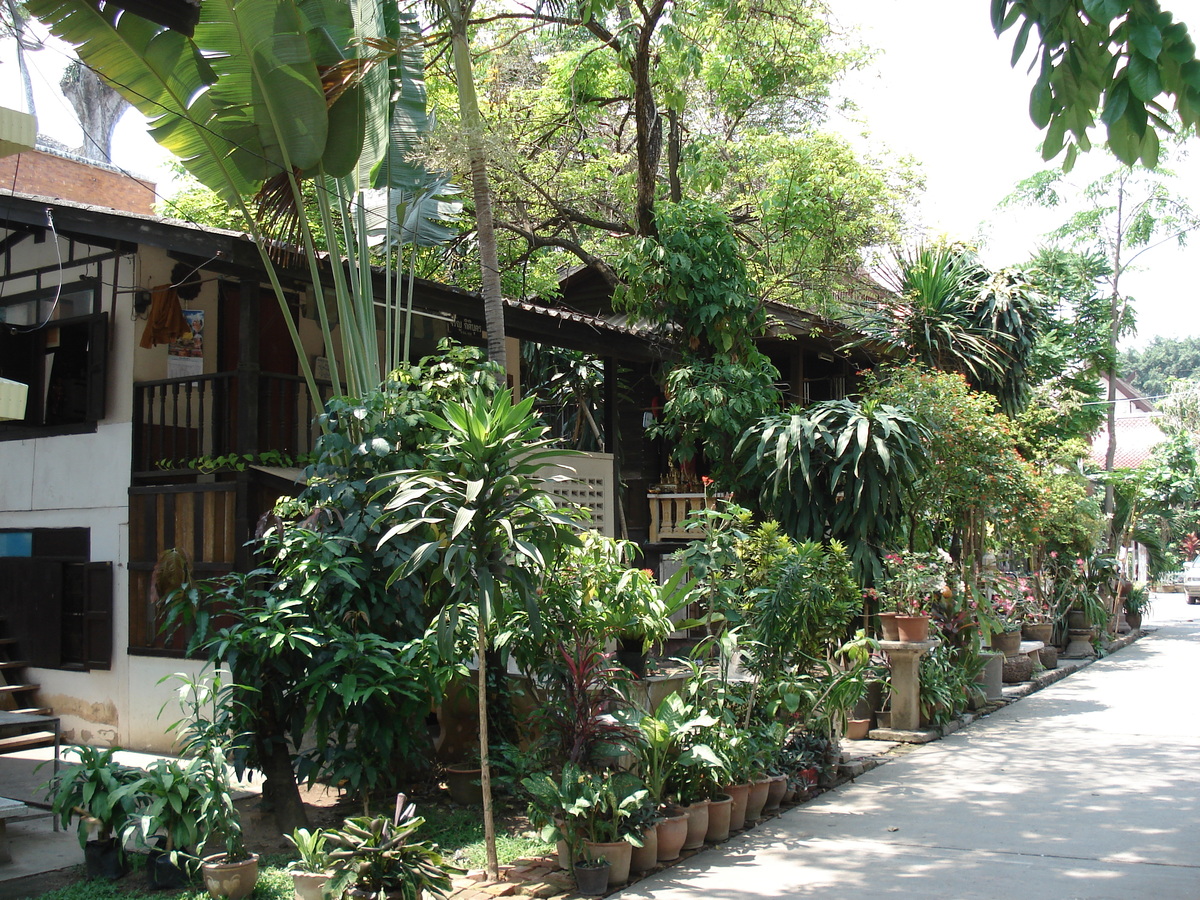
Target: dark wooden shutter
98,617
31,600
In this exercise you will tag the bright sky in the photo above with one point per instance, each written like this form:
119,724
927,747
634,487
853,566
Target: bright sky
941,91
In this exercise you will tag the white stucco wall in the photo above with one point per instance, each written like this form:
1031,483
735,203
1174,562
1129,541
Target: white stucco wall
82,480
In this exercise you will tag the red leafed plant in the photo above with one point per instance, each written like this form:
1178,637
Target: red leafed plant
582,684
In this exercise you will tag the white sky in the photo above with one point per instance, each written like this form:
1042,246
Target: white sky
941,91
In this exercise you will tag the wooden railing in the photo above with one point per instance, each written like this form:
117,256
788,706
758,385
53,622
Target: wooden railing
668,512
177,419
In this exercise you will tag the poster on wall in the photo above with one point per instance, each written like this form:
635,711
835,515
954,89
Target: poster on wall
185,356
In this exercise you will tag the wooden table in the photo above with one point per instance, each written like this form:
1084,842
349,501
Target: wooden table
41,725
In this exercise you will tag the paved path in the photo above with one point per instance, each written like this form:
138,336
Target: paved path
1089,789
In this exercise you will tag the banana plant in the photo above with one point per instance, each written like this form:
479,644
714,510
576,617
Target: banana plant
269,94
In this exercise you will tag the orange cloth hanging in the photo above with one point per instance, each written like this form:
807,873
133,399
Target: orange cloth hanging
165,321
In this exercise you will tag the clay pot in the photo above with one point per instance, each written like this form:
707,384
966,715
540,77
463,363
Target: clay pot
888,627
234,880
464,786
1007,642
672,832
775,793
307,885
1042,631
719,809
737,814
1134,620
913,629
757,799
1049,656
697,825
619,855
857,729
645,857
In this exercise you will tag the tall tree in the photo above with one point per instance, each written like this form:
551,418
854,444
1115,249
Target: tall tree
1126,213
13,21
98,107
455,15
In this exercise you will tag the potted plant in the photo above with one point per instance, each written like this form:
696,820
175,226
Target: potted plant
1137,603
167,821
311,869
912,579
101,794
376,857
601,813
228,868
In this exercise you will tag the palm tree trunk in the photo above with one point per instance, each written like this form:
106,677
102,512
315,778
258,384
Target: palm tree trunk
489,821
468,107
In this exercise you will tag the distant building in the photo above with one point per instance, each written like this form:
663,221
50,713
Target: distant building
1137,432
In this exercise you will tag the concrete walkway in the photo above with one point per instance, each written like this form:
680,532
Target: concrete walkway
1089,789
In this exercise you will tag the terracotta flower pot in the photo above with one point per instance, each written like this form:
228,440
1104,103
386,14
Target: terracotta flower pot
719,809
1134,620
1007,642
757,799
697,825
775,792
619,855
888,626
913,629
857,729
1040,631
737,813
672,832
645,857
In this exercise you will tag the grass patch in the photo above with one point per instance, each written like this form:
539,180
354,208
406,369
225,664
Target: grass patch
459,832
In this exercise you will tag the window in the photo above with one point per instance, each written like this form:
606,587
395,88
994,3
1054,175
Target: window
56,602
58,345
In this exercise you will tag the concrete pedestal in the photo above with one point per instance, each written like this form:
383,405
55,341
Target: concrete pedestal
904,660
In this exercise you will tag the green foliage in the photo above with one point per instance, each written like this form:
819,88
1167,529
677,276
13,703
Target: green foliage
667,744
310,849
1131,62
170,803
799,601
479,501
378,855
96,791
836,469
949,313
1154,368
691,279
975,487
693,276
592,588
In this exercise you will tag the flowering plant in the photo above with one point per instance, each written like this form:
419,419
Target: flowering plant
914,580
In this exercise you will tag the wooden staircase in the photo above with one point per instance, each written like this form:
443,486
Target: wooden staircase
18,695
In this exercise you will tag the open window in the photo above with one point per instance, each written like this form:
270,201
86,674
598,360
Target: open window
57,343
